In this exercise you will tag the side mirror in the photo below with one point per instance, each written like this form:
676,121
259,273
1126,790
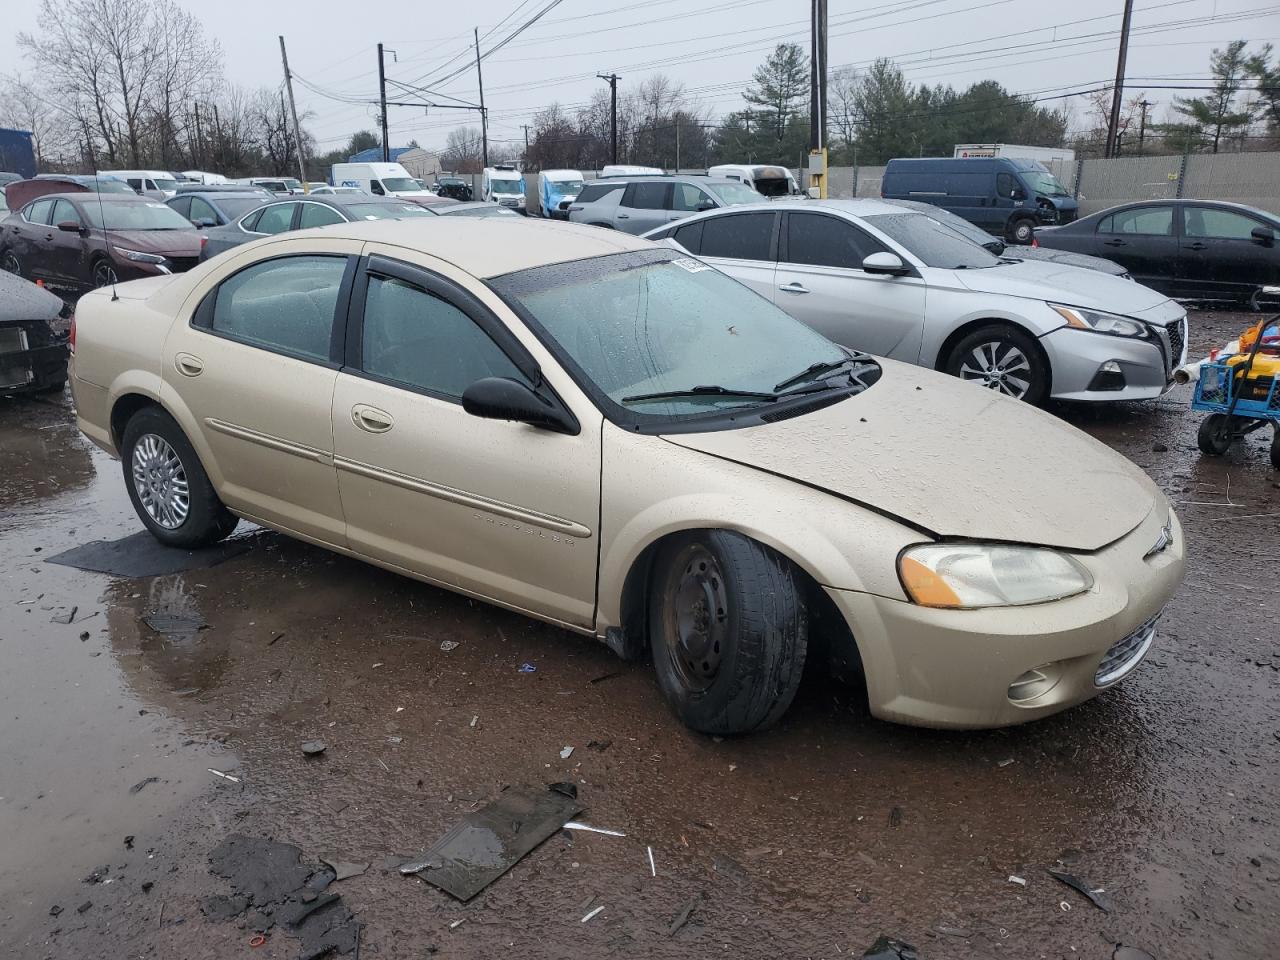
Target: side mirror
886,263
499,398
70,226
705,205
1263,235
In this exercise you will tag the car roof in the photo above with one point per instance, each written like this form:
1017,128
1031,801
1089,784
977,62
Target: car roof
1180,202
221,194
857,208
489,246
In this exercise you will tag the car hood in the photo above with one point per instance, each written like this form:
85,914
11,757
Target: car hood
168,243
952,459
22,300
1065,258
1062,283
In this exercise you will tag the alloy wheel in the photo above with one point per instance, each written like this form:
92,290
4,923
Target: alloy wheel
103,274
998,365
697,618
9,263
160,481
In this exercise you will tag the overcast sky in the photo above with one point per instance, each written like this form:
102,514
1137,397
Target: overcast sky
710,46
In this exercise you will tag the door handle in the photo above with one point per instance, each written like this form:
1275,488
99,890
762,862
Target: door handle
187,365
795,286
1113,243
1196,246
371,419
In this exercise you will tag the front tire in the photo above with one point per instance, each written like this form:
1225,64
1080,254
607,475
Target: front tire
103,274
1275,447
1022,231
168,485
728,629
1004,359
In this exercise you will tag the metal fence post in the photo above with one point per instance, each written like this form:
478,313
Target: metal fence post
855,181
1075,189
1182,173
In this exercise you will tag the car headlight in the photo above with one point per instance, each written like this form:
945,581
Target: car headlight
138,256
1100,322
966,576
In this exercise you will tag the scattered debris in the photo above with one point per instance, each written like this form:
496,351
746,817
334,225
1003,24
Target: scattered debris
395,739
566,753
599,746
1096,895
1159,448
224,776
728,866
448,645
313,748
490,841
142,555
457,923
574,825
274,638
592,914
147,885
1130,953
55,910
65,618
1020,881
895,817
343,869
85,907
685,913
886,948
128,842
528,668
605,676
955,932
175,624
475,719
1006,762
653,868
142,783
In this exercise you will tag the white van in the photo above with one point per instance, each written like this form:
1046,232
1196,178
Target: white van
765,179
504,186
158,184
549,193
202,176
379,179
629,170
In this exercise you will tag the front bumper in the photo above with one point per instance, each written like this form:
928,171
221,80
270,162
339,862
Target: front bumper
954,668
1077,356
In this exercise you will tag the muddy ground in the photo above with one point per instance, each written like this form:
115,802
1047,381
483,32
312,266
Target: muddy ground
806,841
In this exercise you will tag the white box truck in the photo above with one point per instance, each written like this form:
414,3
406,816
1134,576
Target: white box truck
379,179
504,186
1013,151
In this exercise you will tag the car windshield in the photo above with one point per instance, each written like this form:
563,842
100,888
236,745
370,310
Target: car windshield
291,184
732,193
127,215
108,185
1045,184
235,207
773,186
385,211
401,185
651,322
167,185
932,243
948,219
504,186
567,188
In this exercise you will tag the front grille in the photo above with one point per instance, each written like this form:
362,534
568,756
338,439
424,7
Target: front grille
182,264
509,203
1177,342
1125,655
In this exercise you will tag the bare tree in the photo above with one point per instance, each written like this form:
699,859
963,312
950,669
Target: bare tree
24,106
462,151
188,66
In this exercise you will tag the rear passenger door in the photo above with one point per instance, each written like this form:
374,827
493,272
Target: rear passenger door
251,375
1144,240
743,245
644,206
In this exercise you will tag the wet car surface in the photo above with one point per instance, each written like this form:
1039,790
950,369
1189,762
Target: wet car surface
808,840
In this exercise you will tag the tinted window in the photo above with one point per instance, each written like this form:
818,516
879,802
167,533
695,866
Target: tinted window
64,211
416,338
38,212
251,222
690,237
200,210
318,215
285,304
135,182
646,196
1219,224
1004,185
376,188
827,242
1147,221
687,197
594,191
934,244
126,213
182,205
742,237
276,218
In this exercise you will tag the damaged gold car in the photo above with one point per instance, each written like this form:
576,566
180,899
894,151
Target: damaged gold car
601,433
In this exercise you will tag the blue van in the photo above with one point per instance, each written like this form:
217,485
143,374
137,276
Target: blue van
1005,196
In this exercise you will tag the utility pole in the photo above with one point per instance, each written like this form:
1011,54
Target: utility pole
818,97
612,80
199,153
1113,125
1142,124
526,143
382,99
293,110
677,143
484,114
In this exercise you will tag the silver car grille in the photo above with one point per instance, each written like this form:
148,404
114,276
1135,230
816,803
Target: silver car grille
1125,655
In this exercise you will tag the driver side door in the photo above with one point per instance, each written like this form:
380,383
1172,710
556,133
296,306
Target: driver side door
501,510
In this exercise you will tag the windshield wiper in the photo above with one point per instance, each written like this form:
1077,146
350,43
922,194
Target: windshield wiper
814,371
703,390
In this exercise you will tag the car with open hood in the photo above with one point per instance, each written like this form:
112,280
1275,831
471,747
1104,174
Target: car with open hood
34,325
618,439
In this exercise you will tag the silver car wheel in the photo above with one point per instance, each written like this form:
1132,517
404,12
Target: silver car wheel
998,365
160,481
103,274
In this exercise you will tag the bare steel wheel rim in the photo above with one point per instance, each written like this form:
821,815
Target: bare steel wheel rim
9,263
998,365
104,274
160,481
697,618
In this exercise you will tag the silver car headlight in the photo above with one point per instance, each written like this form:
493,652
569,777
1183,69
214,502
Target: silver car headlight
1099,321
138,256
966,576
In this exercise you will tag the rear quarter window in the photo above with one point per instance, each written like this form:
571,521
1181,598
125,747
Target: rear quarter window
594,191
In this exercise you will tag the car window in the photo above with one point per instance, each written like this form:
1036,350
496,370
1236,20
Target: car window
823,241
182,205
376,188
276,218
418,339
201,210
64,211
745,236
1218,224
318,215
594,191
284,304
688,197
690,236
645,196
38,211
136,183
1004,185
1146,221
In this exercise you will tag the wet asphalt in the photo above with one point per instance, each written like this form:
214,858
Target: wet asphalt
809,840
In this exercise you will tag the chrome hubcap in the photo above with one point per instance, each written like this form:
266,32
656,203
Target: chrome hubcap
998,365
160,481
697,619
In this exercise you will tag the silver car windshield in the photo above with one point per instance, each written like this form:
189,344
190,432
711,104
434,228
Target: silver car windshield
670,324
932,243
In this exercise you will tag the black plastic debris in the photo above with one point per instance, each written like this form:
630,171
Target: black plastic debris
343,869
685,913
65,618
175,624
886,948
1096,895
142,555
492,840
314,748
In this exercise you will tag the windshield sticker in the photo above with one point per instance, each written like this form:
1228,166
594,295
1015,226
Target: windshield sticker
693,266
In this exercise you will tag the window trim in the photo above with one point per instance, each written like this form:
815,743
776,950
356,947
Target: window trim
263,209
1174,214
202,316
53,222
29,206
457,297
774,234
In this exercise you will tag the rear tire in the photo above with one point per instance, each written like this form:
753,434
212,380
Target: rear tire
1001,358
1275,447
168,485
10,263
1209,437
728,629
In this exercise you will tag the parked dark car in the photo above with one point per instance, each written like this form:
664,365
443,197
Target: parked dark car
68,182
1194,249
997,246
217,208
79,241
33,338
453,187
303,212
